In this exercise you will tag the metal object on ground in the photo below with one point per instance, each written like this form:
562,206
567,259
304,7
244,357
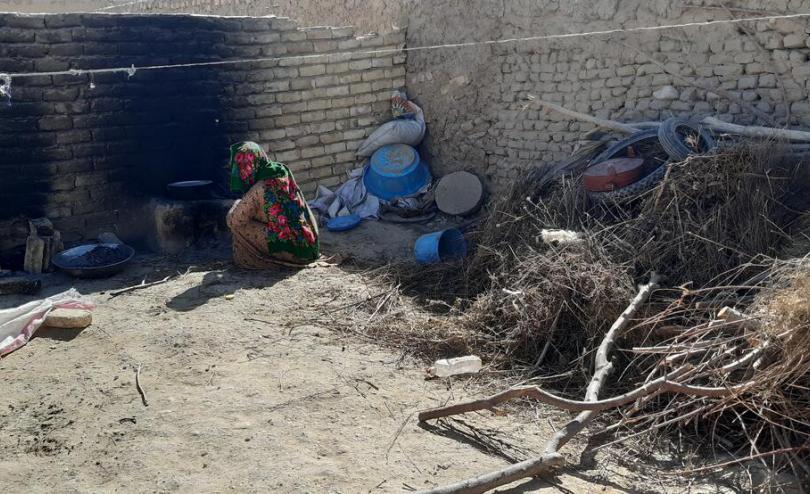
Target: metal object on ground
443,246
459,194
612,174
94,260
190,190
396,171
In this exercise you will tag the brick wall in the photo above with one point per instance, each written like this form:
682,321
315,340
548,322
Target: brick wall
365,15
56,6
475,98
82,149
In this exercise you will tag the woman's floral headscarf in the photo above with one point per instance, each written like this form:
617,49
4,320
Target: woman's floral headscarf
250,164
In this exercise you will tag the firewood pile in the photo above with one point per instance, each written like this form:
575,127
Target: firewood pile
714,343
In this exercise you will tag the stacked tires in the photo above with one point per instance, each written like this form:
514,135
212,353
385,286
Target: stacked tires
673,141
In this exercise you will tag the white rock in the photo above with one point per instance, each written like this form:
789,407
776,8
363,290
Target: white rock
666,93
69,319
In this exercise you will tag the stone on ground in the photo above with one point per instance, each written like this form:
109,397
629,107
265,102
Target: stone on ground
69,319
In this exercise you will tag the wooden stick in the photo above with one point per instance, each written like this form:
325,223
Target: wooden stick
755,131
599,122
714,123
663,384
483,483
138,386
139,287
741,460
144,284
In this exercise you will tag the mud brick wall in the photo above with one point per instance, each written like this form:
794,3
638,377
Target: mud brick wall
366,15
56,6
84,150
475,99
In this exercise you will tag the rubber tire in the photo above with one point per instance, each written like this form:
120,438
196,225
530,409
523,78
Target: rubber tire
637,187
672,142
619,146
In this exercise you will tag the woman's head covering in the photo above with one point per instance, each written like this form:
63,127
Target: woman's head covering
250,164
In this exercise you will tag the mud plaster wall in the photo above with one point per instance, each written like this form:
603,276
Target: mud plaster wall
84,151
475,98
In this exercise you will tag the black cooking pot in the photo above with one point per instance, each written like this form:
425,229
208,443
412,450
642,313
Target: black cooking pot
190,190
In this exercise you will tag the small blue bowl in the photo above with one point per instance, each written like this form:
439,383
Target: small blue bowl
343,223
396,171
443,246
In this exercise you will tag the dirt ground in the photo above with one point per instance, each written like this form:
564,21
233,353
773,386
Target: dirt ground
246,394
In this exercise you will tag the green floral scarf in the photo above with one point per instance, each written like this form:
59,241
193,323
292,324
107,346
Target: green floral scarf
291,226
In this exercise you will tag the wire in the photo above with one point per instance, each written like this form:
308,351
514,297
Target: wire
130,70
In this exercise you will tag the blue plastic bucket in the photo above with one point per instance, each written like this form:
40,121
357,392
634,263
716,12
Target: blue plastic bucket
396,171
443,246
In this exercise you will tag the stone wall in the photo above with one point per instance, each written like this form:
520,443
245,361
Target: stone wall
475,98
80,149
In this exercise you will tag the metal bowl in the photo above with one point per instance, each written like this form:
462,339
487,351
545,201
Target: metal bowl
190,190
68,261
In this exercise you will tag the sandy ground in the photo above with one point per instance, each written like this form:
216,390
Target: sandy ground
246,394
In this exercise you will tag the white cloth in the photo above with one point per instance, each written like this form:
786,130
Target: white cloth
351,197
18,324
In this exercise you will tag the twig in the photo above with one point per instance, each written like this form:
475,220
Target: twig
301,398
139,387
144,284
396,435
709,468
141,286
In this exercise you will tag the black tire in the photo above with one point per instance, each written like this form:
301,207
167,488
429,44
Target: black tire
671,134
619,148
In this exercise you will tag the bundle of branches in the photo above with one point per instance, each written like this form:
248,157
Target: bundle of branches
546,297
761,353
709,214
520,301
713,213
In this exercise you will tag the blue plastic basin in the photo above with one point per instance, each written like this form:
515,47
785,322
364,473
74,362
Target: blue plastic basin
443,246
396,171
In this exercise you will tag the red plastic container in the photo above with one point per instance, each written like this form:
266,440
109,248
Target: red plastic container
612,174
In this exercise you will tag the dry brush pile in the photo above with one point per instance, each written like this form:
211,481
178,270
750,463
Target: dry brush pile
721,346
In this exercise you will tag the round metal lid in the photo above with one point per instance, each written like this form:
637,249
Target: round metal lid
459,193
